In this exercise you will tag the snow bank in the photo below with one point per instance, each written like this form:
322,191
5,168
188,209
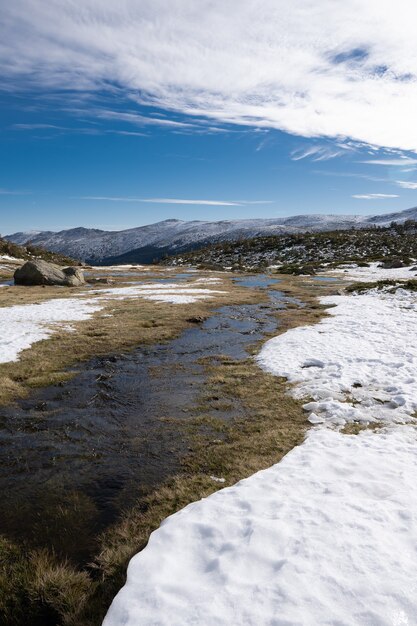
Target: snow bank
23,325
325,537
373,273
359,364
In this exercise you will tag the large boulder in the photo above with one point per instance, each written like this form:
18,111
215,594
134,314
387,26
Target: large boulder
40,272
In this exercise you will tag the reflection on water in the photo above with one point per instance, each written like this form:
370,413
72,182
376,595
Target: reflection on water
259,280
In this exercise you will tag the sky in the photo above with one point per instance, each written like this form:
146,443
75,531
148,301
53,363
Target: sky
115,115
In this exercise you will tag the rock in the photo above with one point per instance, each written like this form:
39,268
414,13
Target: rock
40,272
75,276
198,319
392,264
98,281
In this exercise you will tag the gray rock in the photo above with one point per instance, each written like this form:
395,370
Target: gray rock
40,272
99,281
392,264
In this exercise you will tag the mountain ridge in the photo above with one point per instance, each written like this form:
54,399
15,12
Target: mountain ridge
143,244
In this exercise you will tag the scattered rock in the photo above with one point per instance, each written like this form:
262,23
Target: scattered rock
40,272
392,264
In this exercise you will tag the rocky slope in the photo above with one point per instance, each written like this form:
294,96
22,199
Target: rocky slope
30,252
293,252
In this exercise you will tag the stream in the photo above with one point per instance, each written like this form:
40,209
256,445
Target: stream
73,456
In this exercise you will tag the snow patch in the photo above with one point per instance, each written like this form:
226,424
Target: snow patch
173,293
24,325
325,537
358,364
374,273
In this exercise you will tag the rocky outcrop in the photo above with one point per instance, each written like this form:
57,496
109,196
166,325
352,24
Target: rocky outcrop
40,272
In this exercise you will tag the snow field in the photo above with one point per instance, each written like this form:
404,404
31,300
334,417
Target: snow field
358,364
326,537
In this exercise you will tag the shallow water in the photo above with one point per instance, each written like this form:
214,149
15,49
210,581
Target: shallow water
73,456
259,280
330,279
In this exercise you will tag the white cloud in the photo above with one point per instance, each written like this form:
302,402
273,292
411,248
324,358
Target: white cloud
375,196
177,201
309,68
401,162
317,153
405,184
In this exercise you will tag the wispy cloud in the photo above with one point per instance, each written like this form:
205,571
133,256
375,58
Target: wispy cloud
338,174
10,192
406,184
87,130
176,201
36,127
312,71
375,196
401,162
317,153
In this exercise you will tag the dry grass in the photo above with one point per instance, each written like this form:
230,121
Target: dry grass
354,428
38,590
132,322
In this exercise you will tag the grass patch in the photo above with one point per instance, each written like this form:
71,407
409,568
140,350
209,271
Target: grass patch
354,428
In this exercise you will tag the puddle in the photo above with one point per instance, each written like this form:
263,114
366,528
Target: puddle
263,281
73,456
329,279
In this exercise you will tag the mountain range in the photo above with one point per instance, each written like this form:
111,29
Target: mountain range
146,244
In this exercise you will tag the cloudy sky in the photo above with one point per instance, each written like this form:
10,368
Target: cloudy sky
120,114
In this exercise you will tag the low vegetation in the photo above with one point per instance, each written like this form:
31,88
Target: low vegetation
386,285
28,252
304,253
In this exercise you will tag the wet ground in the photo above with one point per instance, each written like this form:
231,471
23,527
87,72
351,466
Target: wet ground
73,456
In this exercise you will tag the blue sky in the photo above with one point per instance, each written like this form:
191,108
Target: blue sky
113,123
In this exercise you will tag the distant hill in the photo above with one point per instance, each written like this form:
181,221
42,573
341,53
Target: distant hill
145,244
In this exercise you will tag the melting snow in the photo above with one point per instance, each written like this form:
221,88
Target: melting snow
23,325
328,535
358,364
373,273
174,293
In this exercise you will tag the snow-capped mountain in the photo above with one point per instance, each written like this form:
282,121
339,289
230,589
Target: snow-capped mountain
146,243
